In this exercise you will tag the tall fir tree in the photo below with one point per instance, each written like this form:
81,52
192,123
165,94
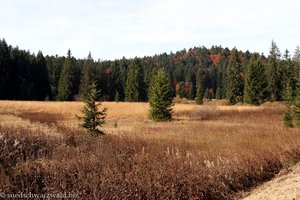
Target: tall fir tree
135,86
40,78
160,97
296,107
256,91
199,92
235,78
273,72
218,93
296,56
5,72
65,84
289,77
206,94
86,77
115,81
191,91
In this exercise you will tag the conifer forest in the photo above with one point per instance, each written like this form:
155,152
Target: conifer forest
218,72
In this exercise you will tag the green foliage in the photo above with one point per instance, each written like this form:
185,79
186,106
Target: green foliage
287,116
65,84
192,91
199,96
160,97
273,73
23,75
255,82
135,86
117,97
291,114
288,91
41,81
86,77
5,73
218,93
206,94
180,89
92,117
235,79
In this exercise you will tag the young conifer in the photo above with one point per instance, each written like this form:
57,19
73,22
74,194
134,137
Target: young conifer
256,85
65,84
235,82
199,96
160,97
92,117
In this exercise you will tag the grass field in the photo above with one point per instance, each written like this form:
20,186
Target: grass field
205,152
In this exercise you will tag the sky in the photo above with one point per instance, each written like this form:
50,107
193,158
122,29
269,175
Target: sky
111,29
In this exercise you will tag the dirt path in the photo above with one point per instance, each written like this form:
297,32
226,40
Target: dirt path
284,187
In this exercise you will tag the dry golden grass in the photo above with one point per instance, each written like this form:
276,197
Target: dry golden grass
206,152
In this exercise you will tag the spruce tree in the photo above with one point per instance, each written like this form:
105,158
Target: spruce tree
40,78
86,77
206,94
255,82
65,84
218,93
296,56
160,97
117,97
191,91
135,86
235,79
92,117
291,114
5,72
273,72
199,96
289,77
294,108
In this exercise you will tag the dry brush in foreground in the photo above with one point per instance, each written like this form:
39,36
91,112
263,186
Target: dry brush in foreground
210,156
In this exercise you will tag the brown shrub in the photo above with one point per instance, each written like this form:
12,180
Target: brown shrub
41,117
199,113
207,159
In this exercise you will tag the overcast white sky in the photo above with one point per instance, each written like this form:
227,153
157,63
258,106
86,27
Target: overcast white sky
113,28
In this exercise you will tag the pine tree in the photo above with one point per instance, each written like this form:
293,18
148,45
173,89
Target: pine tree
160,97
86,77
255,82
117,97
235,79
5,73
296,56
295,107
199,96
291,114
287,93
192,91
287,116
65,84
115,84
273,72
206,94
92,117
289,77
218,93
135,87
40,78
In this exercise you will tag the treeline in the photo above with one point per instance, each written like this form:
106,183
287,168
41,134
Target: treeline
194,74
